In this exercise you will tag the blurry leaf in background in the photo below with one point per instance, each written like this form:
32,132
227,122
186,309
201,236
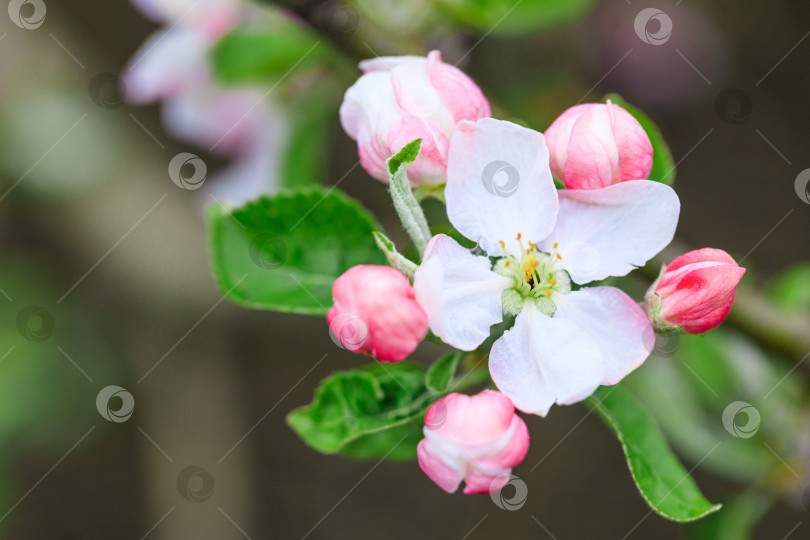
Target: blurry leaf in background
396,15
266,55
790,289
311,121
284,252
513,18
662,480
55,360
367,413
663,168
738,519
690,392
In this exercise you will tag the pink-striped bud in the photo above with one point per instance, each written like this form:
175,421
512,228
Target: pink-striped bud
403,98
694,292
375,313
594,145
477,439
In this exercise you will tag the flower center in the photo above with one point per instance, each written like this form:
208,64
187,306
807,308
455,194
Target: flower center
537,277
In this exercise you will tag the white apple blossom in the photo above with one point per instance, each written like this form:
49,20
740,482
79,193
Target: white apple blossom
564,343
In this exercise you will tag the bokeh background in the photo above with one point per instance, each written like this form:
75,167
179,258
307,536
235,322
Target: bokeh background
95,234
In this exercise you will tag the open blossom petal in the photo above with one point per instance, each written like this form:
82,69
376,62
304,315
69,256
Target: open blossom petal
459,292
611,231
169,62
616,323
477,439
545,360
214,16
499,184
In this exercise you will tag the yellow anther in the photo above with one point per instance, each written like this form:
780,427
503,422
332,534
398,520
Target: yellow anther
502,243
529,265
508,261
519,236
548,293
558,256
555,245
552,281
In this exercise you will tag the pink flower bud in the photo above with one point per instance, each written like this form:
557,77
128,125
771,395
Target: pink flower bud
403,98
477,439
594,145
375,313
695,292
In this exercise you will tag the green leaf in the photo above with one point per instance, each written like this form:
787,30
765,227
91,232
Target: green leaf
407,155
689,392
737,520
396,443
410,213
790,290
440,373
267,54
663,168
660,478
366,413
284,252
513,18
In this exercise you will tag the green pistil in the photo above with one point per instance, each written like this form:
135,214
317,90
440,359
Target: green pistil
536,278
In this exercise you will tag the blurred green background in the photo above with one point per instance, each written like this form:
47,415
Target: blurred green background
113,257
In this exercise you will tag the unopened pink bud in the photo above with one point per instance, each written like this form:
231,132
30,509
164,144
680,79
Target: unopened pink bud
477,439
375,312
694,292
399,99
594,145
